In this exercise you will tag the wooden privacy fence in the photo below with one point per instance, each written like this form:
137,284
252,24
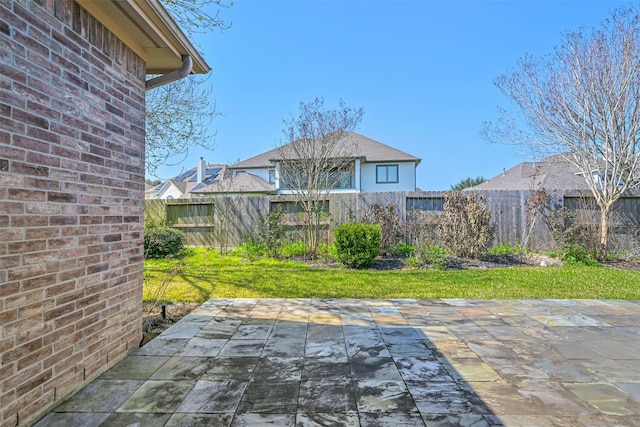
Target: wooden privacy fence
228,220
216,222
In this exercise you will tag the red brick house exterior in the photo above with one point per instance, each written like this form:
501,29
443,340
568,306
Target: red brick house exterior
72,103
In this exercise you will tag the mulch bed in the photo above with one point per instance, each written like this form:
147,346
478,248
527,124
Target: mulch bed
454,263
622,264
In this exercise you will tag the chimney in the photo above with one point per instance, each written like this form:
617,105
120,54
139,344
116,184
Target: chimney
201,172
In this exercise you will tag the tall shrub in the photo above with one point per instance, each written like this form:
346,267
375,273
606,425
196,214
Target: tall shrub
465,224
422,228
270,232
391,230
162,242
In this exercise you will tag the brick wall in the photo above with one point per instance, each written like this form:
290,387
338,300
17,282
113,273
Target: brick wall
71,203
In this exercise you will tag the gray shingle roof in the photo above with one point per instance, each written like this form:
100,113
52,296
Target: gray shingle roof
358,146
552,173
213,172
242,183
186,181
180,185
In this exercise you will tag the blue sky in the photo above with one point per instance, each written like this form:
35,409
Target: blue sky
422,70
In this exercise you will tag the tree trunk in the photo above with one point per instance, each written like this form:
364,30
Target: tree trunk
604,230
310,232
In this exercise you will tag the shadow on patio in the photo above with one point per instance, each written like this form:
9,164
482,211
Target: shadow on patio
307,362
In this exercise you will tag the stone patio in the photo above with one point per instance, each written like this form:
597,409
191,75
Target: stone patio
310,362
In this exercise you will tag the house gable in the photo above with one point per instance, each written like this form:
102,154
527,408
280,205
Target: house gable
367,154
191,181
358,145
170,190
551,173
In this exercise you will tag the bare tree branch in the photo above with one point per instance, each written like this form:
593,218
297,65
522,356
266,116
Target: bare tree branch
582,101
193,16
177,119
179,113
317,158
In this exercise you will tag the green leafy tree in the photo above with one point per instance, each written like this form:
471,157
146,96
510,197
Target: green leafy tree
467,182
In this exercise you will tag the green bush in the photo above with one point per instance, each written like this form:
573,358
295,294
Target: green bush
162,242
403,249
357,245
506,249
270,232
250,250
294,249
428,256
577,255
327,253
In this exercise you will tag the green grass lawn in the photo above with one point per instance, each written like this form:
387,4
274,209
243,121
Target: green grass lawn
204,274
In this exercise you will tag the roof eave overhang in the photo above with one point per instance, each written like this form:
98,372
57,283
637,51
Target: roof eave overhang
416,161
146,27
358,157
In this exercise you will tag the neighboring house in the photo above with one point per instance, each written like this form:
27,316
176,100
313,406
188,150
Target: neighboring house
551,173
376,167
149,190
73,76
184,185
508,195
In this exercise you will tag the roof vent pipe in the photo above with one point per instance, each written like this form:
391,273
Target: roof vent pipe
184,71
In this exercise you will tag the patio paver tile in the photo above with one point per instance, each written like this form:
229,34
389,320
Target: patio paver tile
403,362
101,396
208,396
156,396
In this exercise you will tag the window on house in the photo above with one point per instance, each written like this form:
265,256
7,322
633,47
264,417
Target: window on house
346,180
333,178
272,176
386,174
434,203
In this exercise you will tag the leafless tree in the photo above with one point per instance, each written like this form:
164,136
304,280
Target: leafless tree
177,119
179,113
316,159
582,101
198,16
536,206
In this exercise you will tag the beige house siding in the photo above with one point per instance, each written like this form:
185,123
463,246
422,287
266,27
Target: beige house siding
71,203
